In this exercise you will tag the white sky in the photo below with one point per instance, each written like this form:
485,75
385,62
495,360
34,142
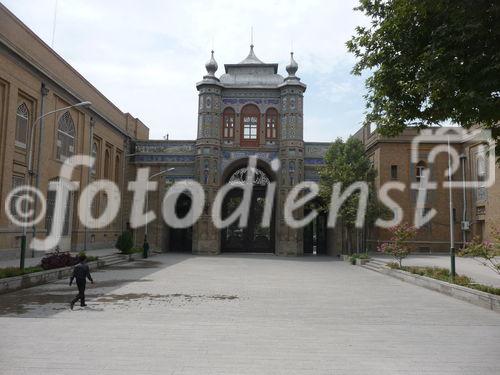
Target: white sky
146,56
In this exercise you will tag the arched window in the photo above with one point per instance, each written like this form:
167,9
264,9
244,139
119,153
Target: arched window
481,168
93,170
482,176
107,165
271,123
65,137
228,124
117,169
51,207
239,177
250,125
420,170
22,118
104,203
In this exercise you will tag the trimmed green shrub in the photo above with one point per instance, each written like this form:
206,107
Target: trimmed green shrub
353,257
89,258
125,242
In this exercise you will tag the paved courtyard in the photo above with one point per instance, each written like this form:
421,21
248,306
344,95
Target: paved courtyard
245,314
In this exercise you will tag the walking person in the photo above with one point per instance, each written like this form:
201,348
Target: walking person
81,273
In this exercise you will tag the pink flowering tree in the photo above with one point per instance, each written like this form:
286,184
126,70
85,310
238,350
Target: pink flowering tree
485,252
398,246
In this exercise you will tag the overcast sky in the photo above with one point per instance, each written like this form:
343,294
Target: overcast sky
146,56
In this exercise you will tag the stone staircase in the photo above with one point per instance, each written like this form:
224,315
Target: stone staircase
375,265
110,259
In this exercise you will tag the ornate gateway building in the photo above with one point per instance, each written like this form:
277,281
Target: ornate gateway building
250,110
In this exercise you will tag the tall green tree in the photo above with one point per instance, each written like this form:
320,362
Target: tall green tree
347,163
431,61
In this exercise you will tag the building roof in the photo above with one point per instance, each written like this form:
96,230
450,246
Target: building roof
251,72
24,45
251,58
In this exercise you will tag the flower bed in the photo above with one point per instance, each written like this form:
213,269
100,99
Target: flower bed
443,274
51,261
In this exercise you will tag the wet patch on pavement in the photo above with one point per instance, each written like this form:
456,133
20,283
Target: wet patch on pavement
104,284
137,264
10,304
50,302
163,297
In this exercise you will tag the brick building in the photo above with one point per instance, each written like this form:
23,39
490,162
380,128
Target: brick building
35,80
475,208
249,110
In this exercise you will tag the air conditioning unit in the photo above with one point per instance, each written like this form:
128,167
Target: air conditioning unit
465,225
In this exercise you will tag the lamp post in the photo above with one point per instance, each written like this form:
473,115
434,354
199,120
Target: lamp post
147,207
125,156
91,143
452,227
44,91
463,159
85,104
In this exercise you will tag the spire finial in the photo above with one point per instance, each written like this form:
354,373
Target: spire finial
211,65
292,67
251,37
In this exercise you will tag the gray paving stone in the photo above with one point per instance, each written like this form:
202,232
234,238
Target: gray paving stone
244,314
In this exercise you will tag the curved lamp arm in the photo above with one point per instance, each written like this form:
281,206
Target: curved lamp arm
85,104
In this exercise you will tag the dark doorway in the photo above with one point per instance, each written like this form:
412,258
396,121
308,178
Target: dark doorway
315,233
181,239
254,237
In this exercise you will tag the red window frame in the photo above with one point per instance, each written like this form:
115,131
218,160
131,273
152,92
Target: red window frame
272,123
247,113
228,118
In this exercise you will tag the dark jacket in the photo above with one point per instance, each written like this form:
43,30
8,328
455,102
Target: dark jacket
80,272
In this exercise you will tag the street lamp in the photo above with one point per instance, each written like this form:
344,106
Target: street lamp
147,204
85,104
452,228
37,121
